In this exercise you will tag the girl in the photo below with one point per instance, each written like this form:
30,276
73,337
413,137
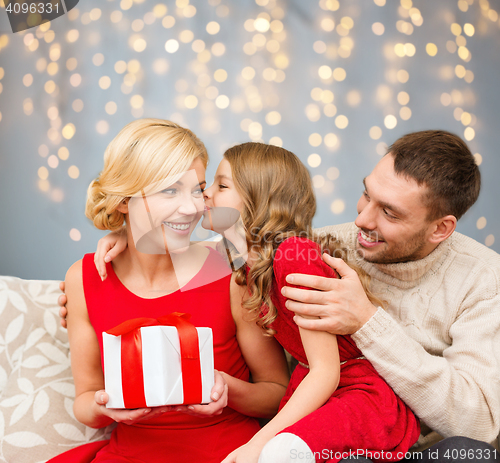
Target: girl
153,180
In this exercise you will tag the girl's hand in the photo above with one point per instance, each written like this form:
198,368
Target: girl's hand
127,416
107,249
248,453
219,395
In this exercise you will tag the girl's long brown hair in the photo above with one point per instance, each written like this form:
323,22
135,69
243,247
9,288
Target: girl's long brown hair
278,202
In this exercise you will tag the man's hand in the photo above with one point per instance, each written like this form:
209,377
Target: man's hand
341,304
62,300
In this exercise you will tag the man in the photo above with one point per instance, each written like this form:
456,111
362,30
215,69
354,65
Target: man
437,340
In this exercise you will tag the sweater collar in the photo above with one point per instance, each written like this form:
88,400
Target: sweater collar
407,274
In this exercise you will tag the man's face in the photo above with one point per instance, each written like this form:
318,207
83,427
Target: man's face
392,217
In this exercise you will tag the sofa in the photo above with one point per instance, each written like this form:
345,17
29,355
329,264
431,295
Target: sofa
36,385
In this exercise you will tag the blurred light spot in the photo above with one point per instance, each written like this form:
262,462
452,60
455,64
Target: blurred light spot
245,124
50,86
403,76
403,98
378,28
390,121
95,14
77,105
43,150
255,130
481,223
337,206
353,98
186,36
222,102
63,153
43,173
319,46
168,22
331,140
248,73
469,29
333,173
137,25
171,46
120,67
431,49
27,80
490,240
68,131
160,66
116,16
111,107
325,72
327,24
104,82
405,113
269,74
276,141
314,160
74,172
75,80
315,139
44,185
75,234
218,49
463,53
339,74
220,75
41,64
312,112
281,61
330,110
213,27
53,161
212,92
465,118
456,29
341,122
469,133
137,101
98,59
72,35
273,117
318,181
52,69
249,25
71,64
375,132
102,127
410,49
478,158
261,25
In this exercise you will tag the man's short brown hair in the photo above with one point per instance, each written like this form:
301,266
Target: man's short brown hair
443,162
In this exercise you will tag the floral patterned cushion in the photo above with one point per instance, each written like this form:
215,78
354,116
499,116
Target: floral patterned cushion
36,385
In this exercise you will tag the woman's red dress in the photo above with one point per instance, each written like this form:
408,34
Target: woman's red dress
363,415
173,436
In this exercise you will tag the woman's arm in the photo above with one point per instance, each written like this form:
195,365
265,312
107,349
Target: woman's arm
265,359
90,397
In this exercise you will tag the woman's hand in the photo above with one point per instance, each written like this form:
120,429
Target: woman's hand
107,249
219,395
127,416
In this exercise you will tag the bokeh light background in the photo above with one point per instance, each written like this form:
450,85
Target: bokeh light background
334,81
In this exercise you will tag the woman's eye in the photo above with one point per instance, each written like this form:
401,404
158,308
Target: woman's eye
198,191
365,194
222,186
170,191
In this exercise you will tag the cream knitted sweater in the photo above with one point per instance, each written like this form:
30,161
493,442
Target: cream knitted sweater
437,343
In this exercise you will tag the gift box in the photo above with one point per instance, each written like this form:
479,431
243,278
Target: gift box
154,362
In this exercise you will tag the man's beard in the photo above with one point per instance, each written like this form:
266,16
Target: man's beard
405,252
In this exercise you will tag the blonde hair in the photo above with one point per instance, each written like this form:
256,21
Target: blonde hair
278,202
145,152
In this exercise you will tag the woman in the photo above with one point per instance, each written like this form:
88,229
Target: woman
153,180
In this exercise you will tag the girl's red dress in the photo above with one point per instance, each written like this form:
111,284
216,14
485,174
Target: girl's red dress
173,436
363,416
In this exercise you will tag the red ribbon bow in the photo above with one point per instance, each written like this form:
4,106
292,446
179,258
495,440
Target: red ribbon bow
131,354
